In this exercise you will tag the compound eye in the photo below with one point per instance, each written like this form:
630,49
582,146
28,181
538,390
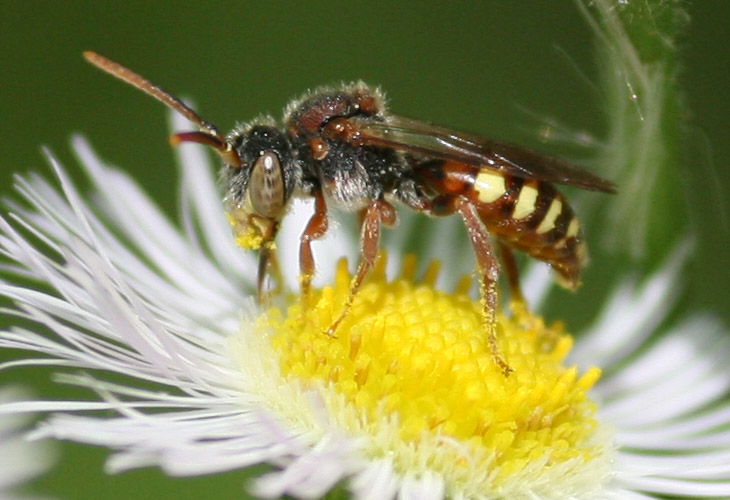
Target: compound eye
266,186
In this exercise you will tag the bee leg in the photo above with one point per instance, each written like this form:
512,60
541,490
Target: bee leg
489,271
510,268
316,228
518,305
377,212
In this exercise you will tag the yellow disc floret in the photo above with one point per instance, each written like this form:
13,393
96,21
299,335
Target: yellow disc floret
411,369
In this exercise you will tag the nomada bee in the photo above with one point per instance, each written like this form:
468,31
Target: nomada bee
343,148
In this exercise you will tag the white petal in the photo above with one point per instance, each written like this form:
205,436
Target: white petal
22,458
428,486
377,481
631,316
202,210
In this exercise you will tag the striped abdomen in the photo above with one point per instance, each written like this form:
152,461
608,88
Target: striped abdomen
526,214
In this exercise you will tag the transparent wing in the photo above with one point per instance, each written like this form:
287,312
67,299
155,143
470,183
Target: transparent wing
433,141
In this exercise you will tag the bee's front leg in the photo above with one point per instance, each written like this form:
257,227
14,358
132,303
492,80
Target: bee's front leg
377,212
316,228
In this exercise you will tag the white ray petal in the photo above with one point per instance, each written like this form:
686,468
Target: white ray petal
632,314
202,209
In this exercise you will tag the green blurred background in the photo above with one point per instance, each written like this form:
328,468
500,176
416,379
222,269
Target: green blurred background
493,67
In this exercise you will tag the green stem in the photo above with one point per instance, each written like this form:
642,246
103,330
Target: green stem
638,54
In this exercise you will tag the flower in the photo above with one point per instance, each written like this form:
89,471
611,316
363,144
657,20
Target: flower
120,290
29,459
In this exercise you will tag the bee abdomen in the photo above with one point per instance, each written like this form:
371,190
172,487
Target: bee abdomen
527,214
531,216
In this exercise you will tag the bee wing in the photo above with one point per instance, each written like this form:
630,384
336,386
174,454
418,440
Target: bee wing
433,141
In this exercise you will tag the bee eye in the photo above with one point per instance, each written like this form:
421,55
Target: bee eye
266,186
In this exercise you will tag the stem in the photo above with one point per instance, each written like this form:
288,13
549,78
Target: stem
638,54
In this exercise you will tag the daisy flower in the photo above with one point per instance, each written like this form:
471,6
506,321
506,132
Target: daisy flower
406,402
29,459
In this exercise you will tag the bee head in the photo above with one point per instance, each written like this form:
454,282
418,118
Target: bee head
258,170
259,187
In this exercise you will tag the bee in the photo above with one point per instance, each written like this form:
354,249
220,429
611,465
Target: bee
343,148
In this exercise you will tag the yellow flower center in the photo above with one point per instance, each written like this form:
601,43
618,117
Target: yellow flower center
416,361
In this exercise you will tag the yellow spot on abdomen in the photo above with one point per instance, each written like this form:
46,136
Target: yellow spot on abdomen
573,228
548,222
525,202
489,186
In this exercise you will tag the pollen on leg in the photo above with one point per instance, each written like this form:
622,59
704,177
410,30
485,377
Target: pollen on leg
411,372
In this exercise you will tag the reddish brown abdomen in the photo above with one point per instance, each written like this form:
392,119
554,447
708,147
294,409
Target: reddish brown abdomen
526,214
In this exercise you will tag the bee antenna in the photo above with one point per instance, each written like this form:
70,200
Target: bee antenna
223,148
209,133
